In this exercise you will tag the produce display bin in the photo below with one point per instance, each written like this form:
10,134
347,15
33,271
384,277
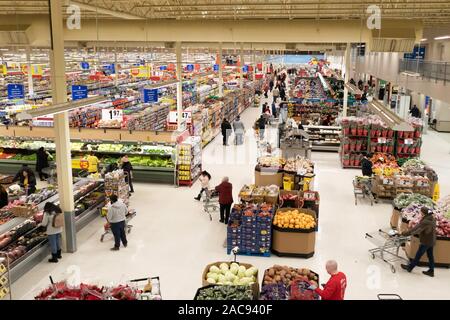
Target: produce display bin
294,242
268,176
441,252
255,286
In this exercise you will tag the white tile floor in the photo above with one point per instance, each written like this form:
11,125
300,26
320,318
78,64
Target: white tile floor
174,239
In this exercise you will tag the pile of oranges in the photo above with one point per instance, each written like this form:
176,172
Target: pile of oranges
293,219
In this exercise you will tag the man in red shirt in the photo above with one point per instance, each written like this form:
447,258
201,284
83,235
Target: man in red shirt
335,287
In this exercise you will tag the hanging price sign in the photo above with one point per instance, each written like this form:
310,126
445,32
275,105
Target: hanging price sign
112,114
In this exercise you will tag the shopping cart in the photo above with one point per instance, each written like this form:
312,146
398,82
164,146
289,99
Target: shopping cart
388,246
362,186
151,290
131,214
211,202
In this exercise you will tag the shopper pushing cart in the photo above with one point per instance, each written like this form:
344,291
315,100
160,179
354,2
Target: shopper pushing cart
116,216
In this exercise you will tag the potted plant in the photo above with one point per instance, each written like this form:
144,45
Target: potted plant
358,145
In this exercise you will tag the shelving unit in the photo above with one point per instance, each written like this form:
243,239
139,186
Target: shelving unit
189,161
324,138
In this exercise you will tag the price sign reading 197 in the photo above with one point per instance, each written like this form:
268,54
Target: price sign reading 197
112,114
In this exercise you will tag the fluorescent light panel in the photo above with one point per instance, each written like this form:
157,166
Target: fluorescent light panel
442,38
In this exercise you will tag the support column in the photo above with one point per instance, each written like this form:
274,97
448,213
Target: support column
241,72
30,75
220,70
61,123
179,86
346,78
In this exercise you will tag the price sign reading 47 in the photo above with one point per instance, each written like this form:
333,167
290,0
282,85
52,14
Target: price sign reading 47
112,114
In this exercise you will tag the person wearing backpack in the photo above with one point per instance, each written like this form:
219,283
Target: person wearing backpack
53,221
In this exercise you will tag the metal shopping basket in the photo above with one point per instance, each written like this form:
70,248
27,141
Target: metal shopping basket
388,246
211,202
131,214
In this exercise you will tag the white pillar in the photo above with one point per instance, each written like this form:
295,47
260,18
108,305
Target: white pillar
346,78
220,71
179,85
241,72
61,123
30,75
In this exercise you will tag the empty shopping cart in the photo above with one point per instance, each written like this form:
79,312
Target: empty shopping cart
388,246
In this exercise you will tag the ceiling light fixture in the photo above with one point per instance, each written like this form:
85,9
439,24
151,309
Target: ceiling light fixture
442,38
424,39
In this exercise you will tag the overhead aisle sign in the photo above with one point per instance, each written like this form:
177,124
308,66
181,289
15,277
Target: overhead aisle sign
79,92
15,91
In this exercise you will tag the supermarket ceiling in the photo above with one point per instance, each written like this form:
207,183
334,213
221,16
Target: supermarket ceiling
429,12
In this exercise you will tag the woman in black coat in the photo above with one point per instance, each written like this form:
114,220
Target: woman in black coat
41,163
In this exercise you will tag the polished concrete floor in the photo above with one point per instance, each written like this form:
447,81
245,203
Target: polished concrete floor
173,238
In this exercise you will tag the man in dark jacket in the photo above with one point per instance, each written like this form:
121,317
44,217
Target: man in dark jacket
415,112
226,131
261,126
426,230
366,166
128,170
42,163
225,190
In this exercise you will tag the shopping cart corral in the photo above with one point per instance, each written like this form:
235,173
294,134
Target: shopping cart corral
388,245
131,214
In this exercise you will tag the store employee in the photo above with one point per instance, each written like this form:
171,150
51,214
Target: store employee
93,163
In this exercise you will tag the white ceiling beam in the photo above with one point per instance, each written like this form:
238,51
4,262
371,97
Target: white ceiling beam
101,10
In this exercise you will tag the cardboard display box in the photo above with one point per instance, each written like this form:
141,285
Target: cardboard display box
294,242
441,251
268,176
255,286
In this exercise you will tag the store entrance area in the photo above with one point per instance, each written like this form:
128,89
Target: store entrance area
174,238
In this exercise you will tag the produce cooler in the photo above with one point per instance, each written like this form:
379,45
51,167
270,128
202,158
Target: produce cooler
28,244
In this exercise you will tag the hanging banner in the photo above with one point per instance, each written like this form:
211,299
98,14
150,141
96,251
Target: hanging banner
171,67
162,68
15,91
245,68
216,67
36,70
196,67
79,92
84,65
150,95
3,69
190,67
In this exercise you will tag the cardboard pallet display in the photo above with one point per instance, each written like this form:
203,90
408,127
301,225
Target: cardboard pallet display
255,286
268,176
441,251
294,242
